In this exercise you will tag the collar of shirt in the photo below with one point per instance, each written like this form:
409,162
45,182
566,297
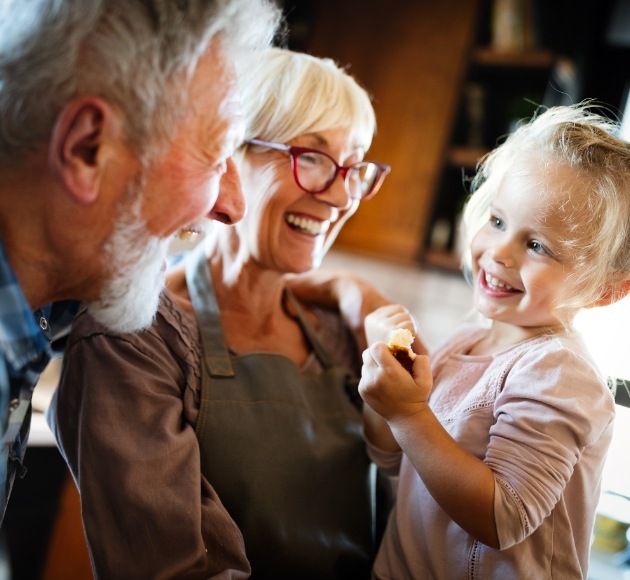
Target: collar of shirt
25,350
23,341
25,335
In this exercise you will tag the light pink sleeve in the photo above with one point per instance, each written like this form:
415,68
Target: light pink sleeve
387,461
553,407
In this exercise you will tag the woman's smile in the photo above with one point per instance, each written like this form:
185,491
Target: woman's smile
306,225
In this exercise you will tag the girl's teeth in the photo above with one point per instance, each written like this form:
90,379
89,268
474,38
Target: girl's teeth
306,225
496,283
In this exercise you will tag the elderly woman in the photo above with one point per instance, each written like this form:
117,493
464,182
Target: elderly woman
238,391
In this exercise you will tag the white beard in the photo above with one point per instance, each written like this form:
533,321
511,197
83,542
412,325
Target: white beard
130,297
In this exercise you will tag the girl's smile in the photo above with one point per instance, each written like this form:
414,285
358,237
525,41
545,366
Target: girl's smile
495,287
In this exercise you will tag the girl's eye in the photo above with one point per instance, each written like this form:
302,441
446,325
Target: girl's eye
538,248
496,222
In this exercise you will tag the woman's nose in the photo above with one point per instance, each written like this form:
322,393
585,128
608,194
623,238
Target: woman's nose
230,206
337,194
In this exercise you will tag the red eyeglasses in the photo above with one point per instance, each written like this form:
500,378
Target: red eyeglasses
314,171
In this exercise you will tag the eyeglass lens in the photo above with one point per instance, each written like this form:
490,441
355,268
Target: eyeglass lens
315,172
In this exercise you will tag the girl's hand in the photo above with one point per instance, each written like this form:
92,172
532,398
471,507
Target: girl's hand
461,483
380,323
389,389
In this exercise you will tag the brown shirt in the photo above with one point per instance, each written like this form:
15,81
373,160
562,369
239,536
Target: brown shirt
124,417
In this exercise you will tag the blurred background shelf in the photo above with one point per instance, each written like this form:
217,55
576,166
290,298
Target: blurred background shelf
449,80
490,57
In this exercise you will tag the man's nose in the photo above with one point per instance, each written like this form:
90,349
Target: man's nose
230,206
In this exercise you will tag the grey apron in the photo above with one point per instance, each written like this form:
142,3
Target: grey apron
284,451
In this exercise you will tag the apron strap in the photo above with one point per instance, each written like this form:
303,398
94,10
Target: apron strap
309,332
215,351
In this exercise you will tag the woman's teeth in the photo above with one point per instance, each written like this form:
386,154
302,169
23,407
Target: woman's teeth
307,226
496,283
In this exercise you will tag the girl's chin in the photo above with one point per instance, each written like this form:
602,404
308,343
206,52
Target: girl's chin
487,307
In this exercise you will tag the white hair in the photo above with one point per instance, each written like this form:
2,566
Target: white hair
287,94
135,259
136,54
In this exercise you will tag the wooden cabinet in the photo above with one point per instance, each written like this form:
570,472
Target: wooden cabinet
442,97
425,66
411,56
500,88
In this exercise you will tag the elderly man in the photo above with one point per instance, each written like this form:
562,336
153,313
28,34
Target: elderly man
117,121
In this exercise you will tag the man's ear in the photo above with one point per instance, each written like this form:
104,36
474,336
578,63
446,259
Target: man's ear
76,144
613,294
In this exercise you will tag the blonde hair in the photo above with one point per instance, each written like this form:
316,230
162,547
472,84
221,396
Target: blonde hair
596,210
287,94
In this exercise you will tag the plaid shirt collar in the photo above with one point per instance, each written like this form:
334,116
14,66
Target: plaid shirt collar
25,350
23,341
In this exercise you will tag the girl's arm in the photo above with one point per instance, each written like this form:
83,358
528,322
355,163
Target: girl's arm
460,483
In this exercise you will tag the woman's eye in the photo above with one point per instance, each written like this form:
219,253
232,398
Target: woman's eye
309,159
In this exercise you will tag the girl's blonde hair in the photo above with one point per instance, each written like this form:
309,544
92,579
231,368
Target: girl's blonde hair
596,209
286,94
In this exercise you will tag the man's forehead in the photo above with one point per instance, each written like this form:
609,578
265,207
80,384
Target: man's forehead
234,129
215,96
215,68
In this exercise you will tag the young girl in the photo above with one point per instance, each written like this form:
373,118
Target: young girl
505,428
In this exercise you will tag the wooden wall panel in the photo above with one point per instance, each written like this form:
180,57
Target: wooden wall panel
411,55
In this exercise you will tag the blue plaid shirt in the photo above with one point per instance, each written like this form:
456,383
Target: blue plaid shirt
25,346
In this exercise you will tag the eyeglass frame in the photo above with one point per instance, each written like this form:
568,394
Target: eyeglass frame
295,151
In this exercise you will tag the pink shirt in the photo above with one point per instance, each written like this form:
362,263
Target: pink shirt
541,416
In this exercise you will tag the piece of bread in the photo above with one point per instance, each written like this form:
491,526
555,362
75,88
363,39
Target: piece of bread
400,346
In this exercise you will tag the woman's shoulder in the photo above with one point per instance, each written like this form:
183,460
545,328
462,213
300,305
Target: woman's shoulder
172,319
171,325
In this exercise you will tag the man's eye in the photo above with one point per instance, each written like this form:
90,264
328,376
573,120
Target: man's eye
220,166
